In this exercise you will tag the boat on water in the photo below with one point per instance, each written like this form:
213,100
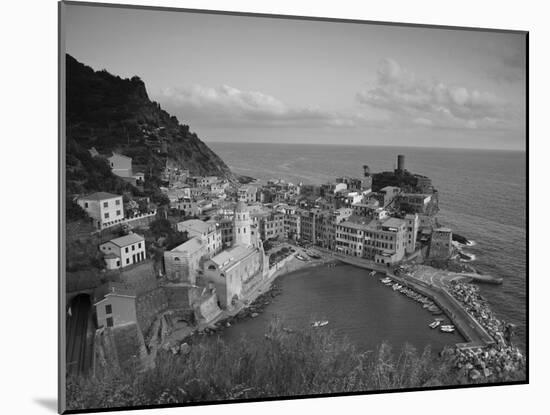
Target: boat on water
301,258
372,273
385,280
319,323
434,324
447,328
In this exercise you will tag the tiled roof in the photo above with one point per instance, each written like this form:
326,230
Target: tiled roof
192,245
99,196
129,239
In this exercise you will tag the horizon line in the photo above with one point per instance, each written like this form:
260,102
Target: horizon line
518,150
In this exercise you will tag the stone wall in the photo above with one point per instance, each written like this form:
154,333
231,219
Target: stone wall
120,347
148,306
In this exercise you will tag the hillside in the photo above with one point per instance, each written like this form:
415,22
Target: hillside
114,114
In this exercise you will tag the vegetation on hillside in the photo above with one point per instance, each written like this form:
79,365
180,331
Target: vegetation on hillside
285,364
110,114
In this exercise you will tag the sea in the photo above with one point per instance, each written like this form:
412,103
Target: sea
482,196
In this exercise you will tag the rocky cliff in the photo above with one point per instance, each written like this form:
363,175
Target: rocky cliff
114,114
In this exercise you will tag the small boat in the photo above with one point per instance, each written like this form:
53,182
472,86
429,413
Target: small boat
300,257
434,324
372,273
447,328
320,323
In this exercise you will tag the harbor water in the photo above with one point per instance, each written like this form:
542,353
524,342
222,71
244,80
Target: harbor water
482,196
355,304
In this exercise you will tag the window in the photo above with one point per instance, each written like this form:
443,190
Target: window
126,249
127,261
118,212
105,204
117,202
133,247
109,322
86,205
139,245
106,215
118,262
109,309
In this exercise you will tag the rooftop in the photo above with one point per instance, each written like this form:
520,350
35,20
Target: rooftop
393,222
192,245
126,240
195,225
99,196
228,257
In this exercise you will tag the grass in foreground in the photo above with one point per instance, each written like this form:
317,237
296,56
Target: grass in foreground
284,364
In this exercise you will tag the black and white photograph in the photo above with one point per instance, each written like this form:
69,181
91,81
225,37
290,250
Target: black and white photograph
258,207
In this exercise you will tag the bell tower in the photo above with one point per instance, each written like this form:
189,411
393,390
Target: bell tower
241,225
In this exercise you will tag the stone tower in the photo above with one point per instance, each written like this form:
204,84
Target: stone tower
241,225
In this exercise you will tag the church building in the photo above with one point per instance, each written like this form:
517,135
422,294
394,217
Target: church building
237,271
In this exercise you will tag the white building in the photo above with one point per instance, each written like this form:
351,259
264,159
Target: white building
412,222
117,307
209,233
104,208
124,251
121,165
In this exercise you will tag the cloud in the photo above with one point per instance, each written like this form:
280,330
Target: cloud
228,106
430,103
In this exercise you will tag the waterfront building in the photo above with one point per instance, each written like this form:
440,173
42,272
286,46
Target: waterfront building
124,251
237,271
441,244
380,241
103,208
414,202
385,241
121,165
350,237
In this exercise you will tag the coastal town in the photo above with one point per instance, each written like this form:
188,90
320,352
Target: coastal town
233,239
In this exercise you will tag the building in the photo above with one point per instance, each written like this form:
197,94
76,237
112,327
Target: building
121,165
413,223
272,226
124,251
380,241
385,241
241,225
208,232
206,181
390,195
441,244
247,194
182,263
117,307
414,202
291,224
105,209
237,271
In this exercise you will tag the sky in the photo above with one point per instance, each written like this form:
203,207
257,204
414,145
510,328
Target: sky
258,79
